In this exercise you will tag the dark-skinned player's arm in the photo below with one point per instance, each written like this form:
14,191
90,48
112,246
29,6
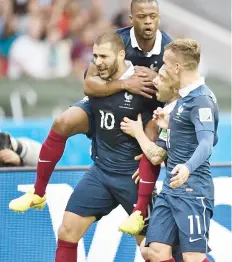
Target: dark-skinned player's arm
96,87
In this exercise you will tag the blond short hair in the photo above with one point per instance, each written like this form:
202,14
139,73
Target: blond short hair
188,49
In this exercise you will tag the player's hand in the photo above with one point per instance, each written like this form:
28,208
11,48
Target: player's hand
161,118
181,174
136,177
130,127
140,86
147,72
8,156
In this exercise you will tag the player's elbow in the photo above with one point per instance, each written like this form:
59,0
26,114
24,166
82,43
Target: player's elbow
88,91
207,146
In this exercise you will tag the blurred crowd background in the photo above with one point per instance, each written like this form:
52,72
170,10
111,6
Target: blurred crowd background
46,45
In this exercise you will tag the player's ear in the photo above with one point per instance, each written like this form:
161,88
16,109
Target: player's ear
177,68
158,20
175,90
131,19
122,54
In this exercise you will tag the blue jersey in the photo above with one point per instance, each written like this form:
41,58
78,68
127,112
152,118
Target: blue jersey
198,111
113,150
152,59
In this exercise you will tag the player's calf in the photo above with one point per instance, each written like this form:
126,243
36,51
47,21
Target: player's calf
70,232
74,226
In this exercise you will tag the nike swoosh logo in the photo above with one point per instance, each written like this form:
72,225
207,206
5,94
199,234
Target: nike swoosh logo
44,161
145,182
194,240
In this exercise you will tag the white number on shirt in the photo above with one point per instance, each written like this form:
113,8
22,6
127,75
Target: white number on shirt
107,120
191,231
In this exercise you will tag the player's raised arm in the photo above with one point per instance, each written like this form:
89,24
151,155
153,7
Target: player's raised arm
97,87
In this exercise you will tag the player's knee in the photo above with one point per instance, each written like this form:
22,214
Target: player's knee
159,252
152,255
72,121
193,256
144,252
62,125
67,233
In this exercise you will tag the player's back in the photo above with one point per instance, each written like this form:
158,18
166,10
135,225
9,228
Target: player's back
113,150
183,141
152,59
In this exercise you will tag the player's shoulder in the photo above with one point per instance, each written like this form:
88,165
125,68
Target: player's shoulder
124,32
203,95
166,38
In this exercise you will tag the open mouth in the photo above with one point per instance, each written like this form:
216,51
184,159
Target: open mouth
148,31
102,71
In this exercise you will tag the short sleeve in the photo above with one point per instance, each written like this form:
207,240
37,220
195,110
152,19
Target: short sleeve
202,114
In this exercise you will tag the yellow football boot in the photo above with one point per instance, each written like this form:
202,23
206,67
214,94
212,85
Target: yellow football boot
27,201
133,225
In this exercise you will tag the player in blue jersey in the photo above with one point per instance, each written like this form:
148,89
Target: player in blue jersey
144,47
185,205
108,182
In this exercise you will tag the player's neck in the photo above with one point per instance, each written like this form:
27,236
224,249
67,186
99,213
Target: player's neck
174,98
188,78
146,45
121,71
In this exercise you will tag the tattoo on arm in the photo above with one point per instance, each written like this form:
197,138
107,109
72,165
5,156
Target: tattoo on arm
154,151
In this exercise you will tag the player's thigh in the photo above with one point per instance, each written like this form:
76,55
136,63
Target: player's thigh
192,216
77,119
162,227
74,226
91,197
124,190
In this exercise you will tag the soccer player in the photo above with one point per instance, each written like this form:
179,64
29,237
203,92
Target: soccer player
107,183
185,205
144,47
155,152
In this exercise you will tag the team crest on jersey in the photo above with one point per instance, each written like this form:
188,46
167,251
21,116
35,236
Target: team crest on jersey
180,110
154,66
128,97
127,101
178,113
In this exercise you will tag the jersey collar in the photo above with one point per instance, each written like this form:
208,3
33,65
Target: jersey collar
130,70
189,88
169,107
156,48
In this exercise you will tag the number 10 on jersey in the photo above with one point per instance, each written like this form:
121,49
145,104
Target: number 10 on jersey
107,120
